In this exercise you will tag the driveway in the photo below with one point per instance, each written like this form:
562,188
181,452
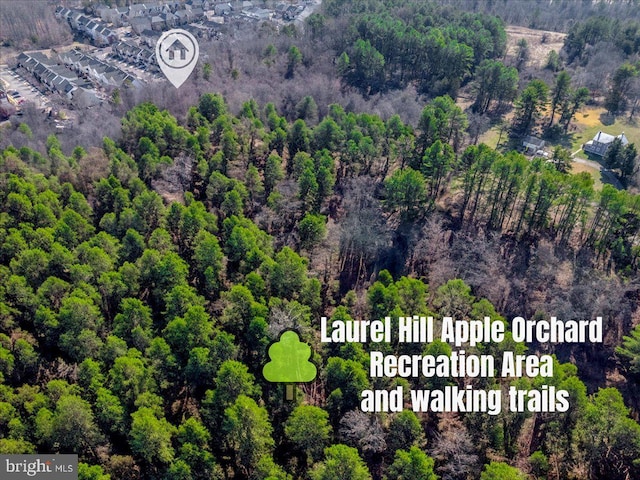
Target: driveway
607,175
309,9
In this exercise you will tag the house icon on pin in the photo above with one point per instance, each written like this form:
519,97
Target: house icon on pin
177,47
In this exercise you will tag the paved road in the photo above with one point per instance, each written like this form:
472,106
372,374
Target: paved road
309,9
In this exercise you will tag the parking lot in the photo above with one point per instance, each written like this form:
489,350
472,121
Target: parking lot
21,90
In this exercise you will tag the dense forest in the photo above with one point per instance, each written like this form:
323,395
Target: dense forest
135,330
30,24
145,273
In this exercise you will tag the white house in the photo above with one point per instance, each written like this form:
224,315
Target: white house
532,144
601,142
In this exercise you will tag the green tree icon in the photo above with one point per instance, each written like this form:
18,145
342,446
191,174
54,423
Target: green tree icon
289,362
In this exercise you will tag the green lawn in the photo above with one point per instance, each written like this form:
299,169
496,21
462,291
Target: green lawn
594,172
490,137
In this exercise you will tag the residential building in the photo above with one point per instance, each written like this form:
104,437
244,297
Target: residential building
532,144
601,143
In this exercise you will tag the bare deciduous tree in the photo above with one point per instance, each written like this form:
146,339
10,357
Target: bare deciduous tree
454,451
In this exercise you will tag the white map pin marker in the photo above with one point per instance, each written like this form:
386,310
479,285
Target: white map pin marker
177,54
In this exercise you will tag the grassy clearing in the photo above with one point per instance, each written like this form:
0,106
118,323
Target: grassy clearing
589,117
538,49
594,172
587,123
490,137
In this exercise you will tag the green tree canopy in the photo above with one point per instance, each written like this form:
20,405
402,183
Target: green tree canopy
341,462
412,465
308,429
501,471
247,432
151,437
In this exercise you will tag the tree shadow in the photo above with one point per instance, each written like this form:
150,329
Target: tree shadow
556,136
610,178
565,140
509,143
594,158
607,119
